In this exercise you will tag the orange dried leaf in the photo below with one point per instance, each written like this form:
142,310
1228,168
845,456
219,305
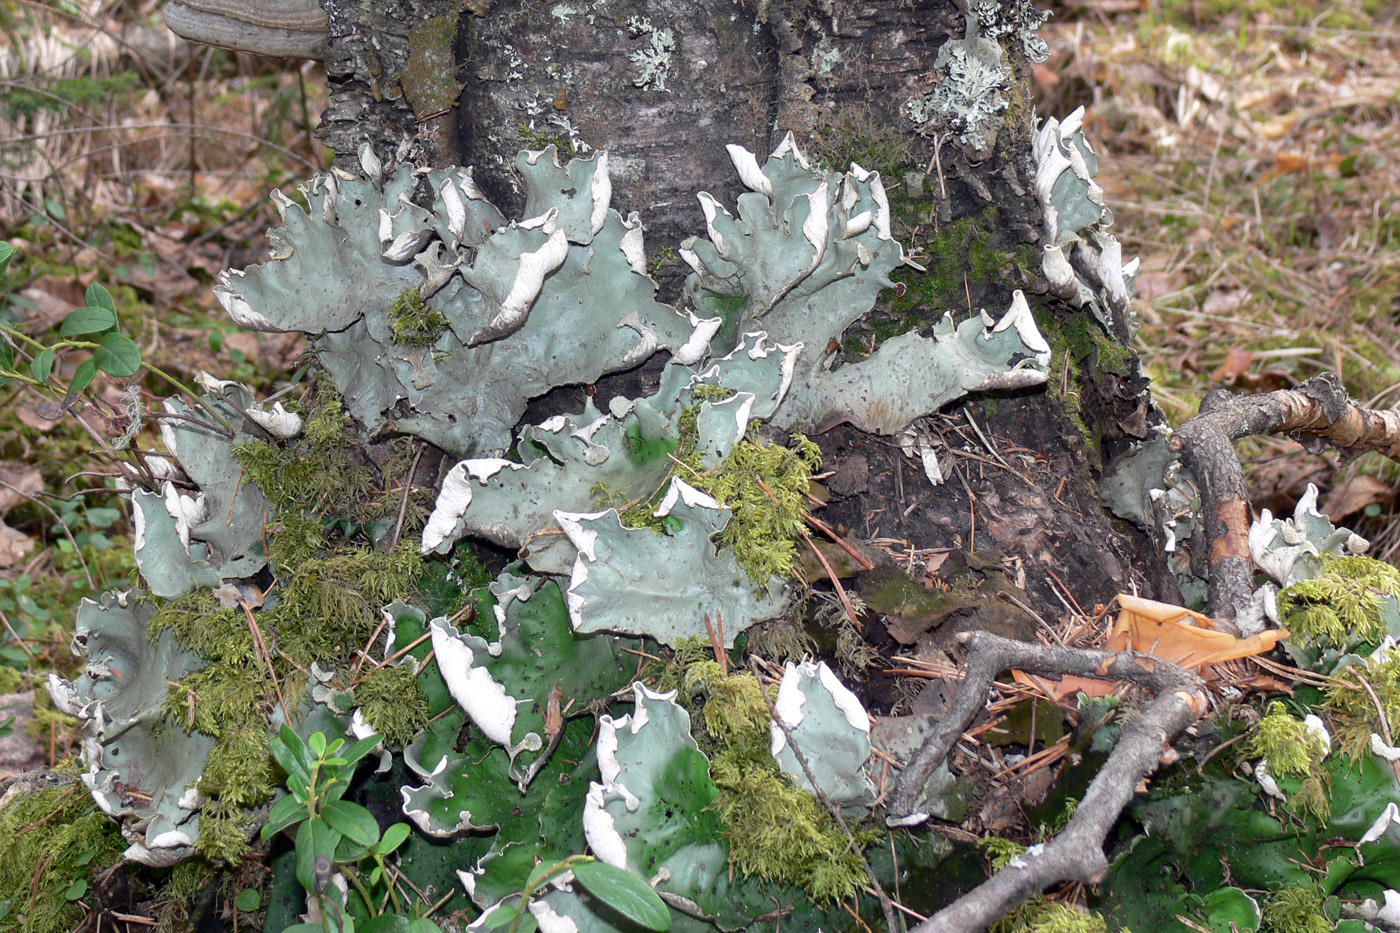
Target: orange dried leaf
1187,638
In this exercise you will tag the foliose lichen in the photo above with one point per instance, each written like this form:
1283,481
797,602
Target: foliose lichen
653,61
969,101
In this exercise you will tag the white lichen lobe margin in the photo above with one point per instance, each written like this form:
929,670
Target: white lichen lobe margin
484,699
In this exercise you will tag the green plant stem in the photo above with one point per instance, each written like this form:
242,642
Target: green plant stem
354,877
388,881
528,894
150,367
198,399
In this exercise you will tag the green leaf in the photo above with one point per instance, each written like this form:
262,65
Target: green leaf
82,377
392,839
32,609
624,892
248,900
317,744
352,821
315,841
117,355
336,789
384,923
349,852
360,749
290,753
285,812
539,873
6,251
422,925
87,321
76,890
500,917
99,297
41,365
1230,910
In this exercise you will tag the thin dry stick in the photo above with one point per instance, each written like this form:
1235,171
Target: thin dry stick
826,529
407,491
405,650
885,906
15,635
267,657
360,661
44,505
840,590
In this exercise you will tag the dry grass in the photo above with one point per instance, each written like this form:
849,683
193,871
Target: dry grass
1251,153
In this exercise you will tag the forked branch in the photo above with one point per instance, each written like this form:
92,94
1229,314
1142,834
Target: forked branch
1077,853
1317,410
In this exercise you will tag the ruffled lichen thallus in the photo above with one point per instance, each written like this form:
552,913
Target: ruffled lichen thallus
297,571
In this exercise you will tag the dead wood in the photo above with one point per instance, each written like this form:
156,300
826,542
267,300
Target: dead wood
1077,853
1316,412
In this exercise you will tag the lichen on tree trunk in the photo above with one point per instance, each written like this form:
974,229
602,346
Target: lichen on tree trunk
663,86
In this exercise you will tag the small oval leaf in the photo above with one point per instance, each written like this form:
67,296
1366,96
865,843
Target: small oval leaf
117,355
248,900
87,321
99,297
41,365
82,378
352,821
624,892
393,838
284,813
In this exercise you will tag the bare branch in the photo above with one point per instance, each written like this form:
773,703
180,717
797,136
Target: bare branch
1317,410
1077,853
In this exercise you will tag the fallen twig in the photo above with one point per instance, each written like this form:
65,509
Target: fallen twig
1319,409
1077,853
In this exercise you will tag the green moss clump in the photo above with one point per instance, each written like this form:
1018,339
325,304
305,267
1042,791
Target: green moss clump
1353,713
999,851
318,471
1293,750
52,838
537,138
239,769
1295,909
392,704
1342,606
326,607
224,829
412,323
763,524
777,831
1041,916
